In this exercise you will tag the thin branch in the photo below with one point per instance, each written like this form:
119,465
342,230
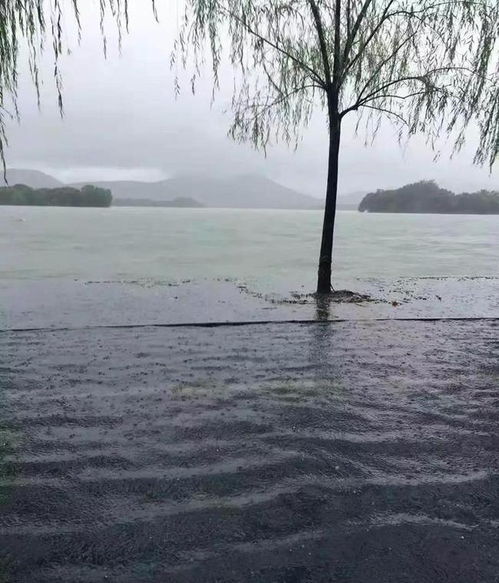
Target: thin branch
385,61
275,46
266,106
384,18
349,17
269,78
409,13
358,22
409,95
337,46
322,40
388,112
424,78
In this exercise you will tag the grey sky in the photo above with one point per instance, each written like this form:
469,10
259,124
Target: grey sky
122,121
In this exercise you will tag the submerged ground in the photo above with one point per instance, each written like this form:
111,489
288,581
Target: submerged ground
330,451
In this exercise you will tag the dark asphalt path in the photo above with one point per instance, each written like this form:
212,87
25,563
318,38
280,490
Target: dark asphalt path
359,452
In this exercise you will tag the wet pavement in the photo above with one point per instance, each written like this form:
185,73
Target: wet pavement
59,303
358,452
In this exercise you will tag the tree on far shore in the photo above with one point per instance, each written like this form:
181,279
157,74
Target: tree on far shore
88,196
429,67
427,197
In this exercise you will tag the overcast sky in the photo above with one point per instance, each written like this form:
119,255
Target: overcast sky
122,121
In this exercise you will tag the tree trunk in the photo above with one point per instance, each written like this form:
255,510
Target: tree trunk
326,255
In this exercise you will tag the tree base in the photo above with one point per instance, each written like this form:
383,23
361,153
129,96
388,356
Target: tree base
344,296
324,279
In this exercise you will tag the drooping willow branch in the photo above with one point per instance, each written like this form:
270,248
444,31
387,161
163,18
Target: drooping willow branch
431,66
26,27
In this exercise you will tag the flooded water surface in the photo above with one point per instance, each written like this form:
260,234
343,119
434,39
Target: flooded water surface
355,452
229,451
268,250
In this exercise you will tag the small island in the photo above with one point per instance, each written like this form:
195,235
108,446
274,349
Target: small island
87,196
427,197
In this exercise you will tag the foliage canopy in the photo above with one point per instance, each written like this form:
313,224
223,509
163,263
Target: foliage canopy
428,197
88,196
430,66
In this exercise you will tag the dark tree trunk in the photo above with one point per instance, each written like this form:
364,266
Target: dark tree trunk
326,255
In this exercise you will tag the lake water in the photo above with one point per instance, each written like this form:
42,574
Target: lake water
265,249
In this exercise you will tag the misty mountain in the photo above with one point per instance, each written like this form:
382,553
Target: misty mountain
245,191
350,201
33,178
352,198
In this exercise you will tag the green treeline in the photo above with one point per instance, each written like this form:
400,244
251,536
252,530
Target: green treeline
427,197
88,196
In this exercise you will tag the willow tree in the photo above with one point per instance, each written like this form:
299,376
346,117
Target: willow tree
26,28
428,66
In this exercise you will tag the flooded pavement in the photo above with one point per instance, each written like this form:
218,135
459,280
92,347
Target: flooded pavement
56,303
357,452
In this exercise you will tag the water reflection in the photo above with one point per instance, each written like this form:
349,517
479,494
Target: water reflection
322,307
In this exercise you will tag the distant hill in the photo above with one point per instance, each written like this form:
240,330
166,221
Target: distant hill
428,197
246,191
32,178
